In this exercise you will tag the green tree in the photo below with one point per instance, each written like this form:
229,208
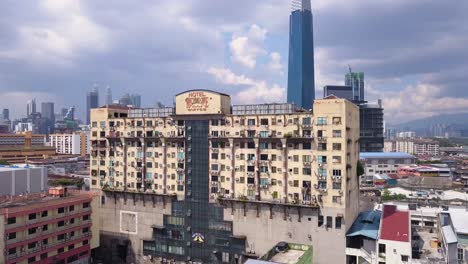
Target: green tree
4,162
359,169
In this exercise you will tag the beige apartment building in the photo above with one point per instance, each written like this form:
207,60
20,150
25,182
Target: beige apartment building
210,182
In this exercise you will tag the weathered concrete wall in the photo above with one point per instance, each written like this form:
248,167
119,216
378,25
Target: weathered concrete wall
129,217
264,232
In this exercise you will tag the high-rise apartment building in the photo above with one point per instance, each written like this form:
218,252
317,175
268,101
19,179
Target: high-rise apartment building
301,81
31,107
210,182
356,81
76,143
92,101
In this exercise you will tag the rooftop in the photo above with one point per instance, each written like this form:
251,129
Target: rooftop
395,224
366,224
385,155
294,254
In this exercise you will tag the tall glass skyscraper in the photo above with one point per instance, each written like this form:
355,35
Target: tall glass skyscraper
301,81
92,101
356,80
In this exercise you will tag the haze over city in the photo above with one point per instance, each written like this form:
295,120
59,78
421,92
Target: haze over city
412,52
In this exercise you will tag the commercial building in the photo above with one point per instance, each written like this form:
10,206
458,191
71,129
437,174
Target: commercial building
385,162
57,228
92,101
6,114
424,171
419,147
210,182
76,143
340,91
31,107
356,81
18,180
301,73
18,148
406,134
48,112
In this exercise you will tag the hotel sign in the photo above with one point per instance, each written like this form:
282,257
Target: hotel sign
197,101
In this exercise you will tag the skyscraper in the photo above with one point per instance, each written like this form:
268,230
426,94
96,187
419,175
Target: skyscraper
136,100
301,80
108,95
48,113
6,114
92,101
31,107
356,80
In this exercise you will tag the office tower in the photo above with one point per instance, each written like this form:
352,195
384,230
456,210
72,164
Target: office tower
356,80
108,95
126,99
301,82
136,100
6,114
371,124
341,91
229,177
47,110
31,107
92,101
70,115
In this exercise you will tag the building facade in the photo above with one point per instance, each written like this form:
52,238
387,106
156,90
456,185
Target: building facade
210,182
31,107
18,180
49,229
385,162
92,101
420,147
301,80
356,81
76,143
371,125
341,91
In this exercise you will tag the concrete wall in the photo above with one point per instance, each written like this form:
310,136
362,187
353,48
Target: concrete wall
394,250
263,232
18,181
132,222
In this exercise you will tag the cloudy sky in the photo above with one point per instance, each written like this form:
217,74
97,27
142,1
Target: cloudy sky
414,53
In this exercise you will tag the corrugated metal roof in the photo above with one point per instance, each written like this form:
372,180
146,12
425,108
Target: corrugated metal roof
366,224
395,224
385,155
449,235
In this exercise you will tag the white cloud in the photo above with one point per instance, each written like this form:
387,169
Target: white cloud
256,91
420,101
275,63
247,46
67,32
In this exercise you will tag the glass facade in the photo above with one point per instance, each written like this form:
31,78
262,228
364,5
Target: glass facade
196,229
301,82
356,81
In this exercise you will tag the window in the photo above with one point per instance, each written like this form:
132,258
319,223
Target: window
32,216
43,255
338,220
85,242
44,213
329,222
320,220
336,133
460,254
336,120
85,217
404,258
31,245
336,146
336,172
61,210
61,223
32,230
60,250
306,121
45,227
32,259
11,220
225,257
321,121
251,122
71,208
322,172
12,251
306,171
381,248
322,146
263,145
336,159
86,205
11,236
61,237
70,247
322,159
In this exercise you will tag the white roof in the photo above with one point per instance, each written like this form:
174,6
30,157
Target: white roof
449,235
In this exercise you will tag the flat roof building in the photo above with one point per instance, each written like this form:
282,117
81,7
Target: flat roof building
208,181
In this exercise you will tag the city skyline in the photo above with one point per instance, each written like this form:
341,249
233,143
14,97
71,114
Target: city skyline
242,51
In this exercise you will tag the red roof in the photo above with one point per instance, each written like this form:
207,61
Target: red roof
395,224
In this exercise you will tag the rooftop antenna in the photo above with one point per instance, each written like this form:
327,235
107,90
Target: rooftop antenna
349,67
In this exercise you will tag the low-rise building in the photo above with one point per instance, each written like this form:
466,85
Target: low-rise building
419,147
424,171
57,228
385,162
